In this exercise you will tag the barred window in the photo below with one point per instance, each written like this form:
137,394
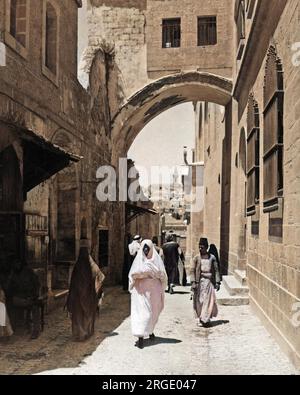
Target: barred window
207,30
273,140
18,20
171,32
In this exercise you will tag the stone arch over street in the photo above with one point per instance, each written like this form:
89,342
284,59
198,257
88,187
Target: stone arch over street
161,95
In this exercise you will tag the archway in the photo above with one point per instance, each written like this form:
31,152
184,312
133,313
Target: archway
160,96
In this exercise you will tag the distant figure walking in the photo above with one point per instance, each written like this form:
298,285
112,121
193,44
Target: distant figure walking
205,278
147,283
172,253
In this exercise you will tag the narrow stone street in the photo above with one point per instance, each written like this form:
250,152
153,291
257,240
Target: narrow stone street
236,344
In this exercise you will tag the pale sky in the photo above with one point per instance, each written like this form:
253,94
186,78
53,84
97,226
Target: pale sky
161,142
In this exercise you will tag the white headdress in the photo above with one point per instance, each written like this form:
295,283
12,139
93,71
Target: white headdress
144,267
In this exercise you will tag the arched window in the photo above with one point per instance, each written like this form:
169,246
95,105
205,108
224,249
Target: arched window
51,39
241,20
18,20
273,142
253,163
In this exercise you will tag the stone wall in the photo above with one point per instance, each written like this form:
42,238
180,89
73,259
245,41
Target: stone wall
69,116
273,267
120,27
215,59
214,133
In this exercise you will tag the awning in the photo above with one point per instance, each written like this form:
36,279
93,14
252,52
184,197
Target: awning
41,158
133,211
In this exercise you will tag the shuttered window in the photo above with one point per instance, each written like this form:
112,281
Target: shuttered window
253,157
273,132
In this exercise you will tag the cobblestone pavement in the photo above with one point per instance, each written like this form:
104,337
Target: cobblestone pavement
55,348
236,344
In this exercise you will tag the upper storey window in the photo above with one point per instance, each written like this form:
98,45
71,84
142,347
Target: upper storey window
241,21
51,39
171,33
18,20
17,25
207,30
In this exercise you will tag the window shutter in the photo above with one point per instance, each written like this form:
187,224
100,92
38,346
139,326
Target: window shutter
273,132
253,163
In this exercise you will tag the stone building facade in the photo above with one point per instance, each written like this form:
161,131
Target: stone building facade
266,125
142,58
54,136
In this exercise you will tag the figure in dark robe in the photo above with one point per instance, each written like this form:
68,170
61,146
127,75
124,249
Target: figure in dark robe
82,301
172,253
214,251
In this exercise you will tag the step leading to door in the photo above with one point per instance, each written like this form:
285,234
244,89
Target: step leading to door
241,276
234,287
225,299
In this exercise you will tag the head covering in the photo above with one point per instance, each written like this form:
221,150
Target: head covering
147,267
135,246
155,240
137,238
170,238
203,242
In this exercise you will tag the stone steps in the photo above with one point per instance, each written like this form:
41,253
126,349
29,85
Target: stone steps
234,287
234,290
225,299
241,276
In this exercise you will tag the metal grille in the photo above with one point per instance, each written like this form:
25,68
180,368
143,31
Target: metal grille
207,31
171,31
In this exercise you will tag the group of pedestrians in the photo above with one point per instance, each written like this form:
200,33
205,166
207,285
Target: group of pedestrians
154,270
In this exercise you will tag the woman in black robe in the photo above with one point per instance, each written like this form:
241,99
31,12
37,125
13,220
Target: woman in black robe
82,301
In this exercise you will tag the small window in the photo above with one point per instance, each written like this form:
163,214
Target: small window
171,33
207,30
51,39
103,248
18,20
241,21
